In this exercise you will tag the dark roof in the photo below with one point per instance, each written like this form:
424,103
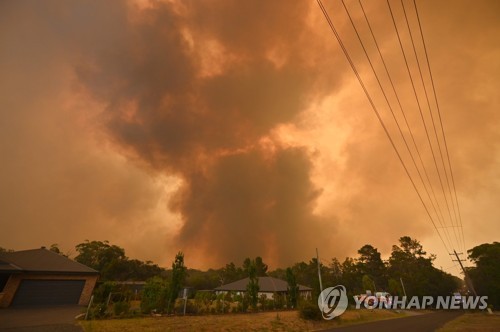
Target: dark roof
266,284
8,267
42,261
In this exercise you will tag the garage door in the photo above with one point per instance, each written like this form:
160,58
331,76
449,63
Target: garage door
48,292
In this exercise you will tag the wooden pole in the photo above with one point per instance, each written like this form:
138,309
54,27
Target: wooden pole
319,276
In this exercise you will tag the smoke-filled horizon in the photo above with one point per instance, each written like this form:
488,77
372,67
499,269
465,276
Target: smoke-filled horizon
229,129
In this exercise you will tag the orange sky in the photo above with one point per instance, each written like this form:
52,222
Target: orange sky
229,129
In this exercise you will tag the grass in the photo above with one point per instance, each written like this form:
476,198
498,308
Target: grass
264,321
482,322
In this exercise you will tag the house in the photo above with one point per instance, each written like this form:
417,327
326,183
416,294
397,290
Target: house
43,277
267,286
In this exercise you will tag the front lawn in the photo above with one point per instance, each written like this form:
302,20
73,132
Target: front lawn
265,321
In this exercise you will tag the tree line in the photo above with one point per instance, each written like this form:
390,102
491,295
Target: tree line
409,265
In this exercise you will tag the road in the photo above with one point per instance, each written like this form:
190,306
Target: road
419,323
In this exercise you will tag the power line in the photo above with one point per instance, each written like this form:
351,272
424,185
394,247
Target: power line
334,30
419,108
405,119
433,124
441,122
391,110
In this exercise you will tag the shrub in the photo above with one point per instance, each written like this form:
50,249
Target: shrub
279,301
155,295
121,308
245,302
263,302
203,301
190,307
309,311
99,311
102,292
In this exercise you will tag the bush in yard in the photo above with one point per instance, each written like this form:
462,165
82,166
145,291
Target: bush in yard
279,301
102,292
99,311
270,304
190,307
155,295
228,297
221,305
203,300
263,302
121,308
309,311
245,302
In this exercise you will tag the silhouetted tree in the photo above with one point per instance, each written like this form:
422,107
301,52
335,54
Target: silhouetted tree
55,248
98,254
260,267
367,283
111,262
486,275
410,262
177,279
370,263
293,288
232,273
253,285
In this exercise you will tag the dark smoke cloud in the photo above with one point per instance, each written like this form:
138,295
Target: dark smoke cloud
228,128
238,197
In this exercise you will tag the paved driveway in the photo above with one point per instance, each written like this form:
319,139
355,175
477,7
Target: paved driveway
57,319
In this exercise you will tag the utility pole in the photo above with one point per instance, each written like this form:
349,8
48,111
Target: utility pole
468,281
402,284
319,276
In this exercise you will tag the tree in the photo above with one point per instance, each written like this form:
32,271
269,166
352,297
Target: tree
55,248
293,288
370,263
111,262
232,273
486,275
394,287
411,247
246,265
98,254
367,283
351,277
2,249
131,269
260,267
203,280
307,274
155,295
177,279
253,285
335,273
279,273
409,262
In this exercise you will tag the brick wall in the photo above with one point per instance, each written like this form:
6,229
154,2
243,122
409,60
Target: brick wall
15,280
88,289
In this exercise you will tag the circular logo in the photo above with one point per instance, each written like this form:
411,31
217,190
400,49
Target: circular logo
333,302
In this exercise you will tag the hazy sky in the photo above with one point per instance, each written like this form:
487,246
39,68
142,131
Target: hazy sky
229,129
